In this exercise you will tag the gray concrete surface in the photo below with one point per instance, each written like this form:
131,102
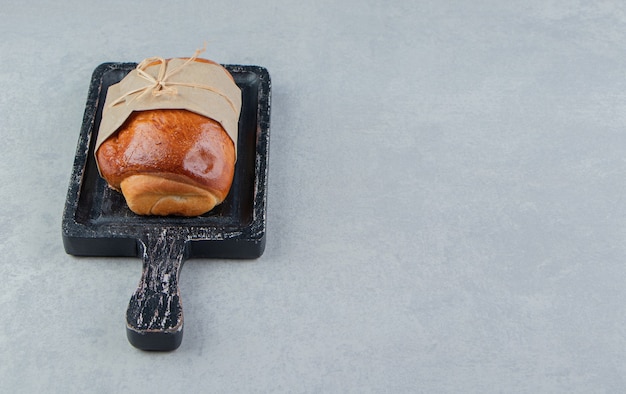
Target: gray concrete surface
446,207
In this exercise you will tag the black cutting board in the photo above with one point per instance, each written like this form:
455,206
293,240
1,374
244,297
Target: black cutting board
97,221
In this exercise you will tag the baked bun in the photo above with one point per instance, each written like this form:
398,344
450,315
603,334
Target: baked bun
169,162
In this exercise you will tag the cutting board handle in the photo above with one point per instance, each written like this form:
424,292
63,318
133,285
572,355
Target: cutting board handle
154,318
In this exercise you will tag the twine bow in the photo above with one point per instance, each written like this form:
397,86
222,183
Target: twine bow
161,85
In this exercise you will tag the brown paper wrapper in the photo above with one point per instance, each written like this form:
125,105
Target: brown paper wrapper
203,88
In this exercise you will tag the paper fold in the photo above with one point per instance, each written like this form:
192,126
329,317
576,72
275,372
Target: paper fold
204,88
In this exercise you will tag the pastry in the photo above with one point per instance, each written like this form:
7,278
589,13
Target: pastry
169,161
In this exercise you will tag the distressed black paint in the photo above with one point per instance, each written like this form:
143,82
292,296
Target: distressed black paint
97,222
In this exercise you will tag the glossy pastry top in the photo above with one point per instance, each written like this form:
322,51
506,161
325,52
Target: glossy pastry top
174,144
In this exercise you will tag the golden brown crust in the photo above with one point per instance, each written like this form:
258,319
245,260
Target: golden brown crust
158,195
178,146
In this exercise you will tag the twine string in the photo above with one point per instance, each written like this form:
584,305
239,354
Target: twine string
160,85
